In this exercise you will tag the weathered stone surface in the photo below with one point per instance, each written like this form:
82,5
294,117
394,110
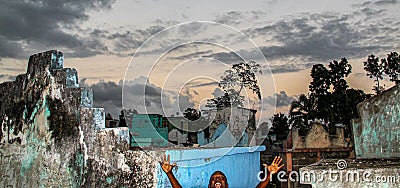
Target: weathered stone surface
318,137
51,137
67,77
358,173
377,133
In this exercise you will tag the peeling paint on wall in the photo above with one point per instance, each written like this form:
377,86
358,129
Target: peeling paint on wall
377,132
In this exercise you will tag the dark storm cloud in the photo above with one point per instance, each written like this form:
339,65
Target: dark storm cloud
205,84
288,67
109,94
41,23
317,37
364,4
386,2
372,12
121,43
145,98
226,57
280,99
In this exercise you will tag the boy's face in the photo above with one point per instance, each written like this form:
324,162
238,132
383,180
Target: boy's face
218,180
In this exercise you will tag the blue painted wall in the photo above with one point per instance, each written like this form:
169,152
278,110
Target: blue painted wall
222,137
240,165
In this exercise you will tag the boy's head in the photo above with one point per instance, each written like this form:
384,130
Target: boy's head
218,180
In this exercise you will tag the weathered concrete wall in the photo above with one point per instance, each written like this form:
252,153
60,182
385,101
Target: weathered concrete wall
377,133
238,120
52,137
318,137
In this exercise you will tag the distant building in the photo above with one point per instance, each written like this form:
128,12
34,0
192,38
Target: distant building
230,126
148,130
301,150
178,130
112,123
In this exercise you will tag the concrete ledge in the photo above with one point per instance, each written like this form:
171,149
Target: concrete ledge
185,154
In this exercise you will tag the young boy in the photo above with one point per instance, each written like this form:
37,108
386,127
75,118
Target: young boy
218,179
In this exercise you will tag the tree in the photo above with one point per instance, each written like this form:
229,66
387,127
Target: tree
280,126
338,71
321,82
220,102
191,114
391,66
300,112
329,99
374,70
240,76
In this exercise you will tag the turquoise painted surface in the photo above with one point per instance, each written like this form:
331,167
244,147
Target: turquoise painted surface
377,133
148,130
239,164
71,79
57,60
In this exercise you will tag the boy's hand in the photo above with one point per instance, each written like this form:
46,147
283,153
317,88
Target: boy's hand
165,164
274,167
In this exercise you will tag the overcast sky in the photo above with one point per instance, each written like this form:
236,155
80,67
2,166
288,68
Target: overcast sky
183,47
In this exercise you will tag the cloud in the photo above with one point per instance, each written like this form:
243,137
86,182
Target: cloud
190,29
42,24
128,41
205,84
280,99
372,12
230,18
386,2
287,67
147,98
364,4
107,95
236,18
218,92
226,57
6,77
320,37
193,55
